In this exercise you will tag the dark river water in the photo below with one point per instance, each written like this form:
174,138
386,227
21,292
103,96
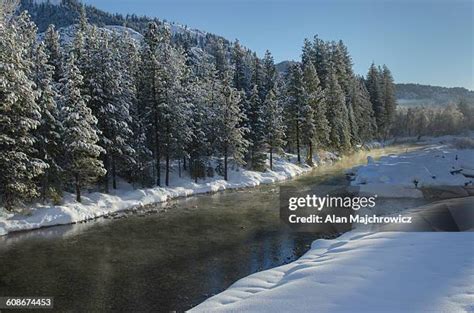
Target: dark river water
159,262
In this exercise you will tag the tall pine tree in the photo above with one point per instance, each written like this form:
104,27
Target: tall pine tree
80,140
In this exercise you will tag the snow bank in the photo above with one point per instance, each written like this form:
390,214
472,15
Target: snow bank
363,272
97,204
403,175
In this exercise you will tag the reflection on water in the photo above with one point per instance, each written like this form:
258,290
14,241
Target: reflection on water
159,262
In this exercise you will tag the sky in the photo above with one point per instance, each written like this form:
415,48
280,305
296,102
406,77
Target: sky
421,41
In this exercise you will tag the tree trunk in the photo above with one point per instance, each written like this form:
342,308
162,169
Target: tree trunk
195,165
114,174
78,188
44,186
155,128
298,141
179,168
310,154
157,151
167,178
106,176
271,158
225,163
184,163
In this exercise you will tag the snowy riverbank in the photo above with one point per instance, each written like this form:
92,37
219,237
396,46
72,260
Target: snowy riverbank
97,204
363,272
447,161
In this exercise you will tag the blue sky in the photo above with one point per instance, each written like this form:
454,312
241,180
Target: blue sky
422,41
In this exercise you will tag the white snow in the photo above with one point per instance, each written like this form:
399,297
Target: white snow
53,2
97,204
440,164
363,272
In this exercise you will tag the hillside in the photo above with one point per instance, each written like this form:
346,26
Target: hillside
416,94
64,13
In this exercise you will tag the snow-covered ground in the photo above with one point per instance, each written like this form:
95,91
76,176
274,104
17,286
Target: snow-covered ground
442,163
363,272
97,204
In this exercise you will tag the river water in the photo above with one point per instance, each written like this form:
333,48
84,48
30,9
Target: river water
166,261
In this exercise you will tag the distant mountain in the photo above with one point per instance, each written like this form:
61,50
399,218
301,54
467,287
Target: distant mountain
416,95
64,14
283,67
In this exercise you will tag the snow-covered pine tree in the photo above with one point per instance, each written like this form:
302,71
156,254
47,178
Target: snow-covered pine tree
374,87
256,133
48,133
317,101
204,89
79,41
321,57
136,164
274,125
294,105
307,53
110,102
182,107
342,63
308,129
172,107
19,113
80,140
269,73
363,111
388,98
54,52
337,114
220,58
148,95
230,139
241,82
258,77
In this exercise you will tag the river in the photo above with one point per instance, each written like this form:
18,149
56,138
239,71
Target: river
171,260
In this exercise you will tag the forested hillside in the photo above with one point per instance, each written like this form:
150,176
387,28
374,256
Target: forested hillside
416,95
105,105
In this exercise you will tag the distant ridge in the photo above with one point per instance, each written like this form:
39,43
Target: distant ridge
416,94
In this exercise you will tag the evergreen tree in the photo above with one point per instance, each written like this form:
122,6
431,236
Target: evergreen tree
388,98
321,57
48,133
19,113
269,73
317,101
172,107
205,90
308,129
110,102
274,126
363,112
337,115
240,77
374,87
54,52
220,58
149,94
134,162
258,77
295,101
255,135
80,140
230,137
